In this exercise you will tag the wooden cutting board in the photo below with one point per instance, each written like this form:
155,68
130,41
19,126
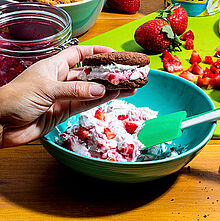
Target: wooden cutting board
206,40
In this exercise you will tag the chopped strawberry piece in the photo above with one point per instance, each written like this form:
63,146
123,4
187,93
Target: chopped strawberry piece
122,117
130,149
99,114
109,134
208,73
187,35
166,55
217,64
188,76
208,82
214,69
87,70
217,54
82,133
189,44
130,126
197,69
110,159
172,66
195,57
217,82
112,79
208,60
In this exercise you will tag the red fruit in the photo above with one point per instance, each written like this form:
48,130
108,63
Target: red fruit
112,79
110,159
206,82
208,73
82,133
109,134
122,117
189,44
166,55
130,126
217,64
217,54
173,65
177,17
129,6
187,35
188,76
130,149
217,82
99,114
214,69
87,70
197,69
208,60
195,57
151,37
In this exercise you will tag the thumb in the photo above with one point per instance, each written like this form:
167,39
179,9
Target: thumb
77,90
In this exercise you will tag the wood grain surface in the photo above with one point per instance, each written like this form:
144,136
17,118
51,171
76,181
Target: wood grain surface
35,187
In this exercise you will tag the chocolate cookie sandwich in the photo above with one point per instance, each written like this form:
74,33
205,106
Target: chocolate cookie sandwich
116,70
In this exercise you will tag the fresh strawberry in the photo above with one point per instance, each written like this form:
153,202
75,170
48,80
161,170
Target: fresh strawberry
130,126
208,60
195,57
217,54
217,82
214,69
189,44
217,64
172,64
188,76
197,69
122,117
155,36
208,73
111,159
177,17
99,114
109,134
166,55
130,149
206,82
82,133
129,6
187,35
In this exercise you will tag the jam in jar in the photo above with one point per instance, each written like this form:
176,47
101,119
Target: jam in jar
30,32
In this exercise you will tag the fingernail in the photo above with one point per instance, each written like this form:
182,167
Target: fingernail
96,89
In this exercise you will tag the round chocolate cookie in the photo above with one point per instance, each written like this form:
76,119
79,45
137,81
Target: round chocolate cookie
126,58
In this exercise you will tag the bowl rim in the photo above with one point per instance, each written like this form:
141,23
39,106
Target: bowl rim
75,3
63,5
166,160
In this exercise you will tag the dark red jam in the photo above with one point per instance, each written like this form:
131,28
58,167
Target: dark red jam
29,33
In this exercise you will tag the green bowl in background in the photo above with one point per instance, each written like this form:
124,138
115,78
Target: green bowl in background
83,14
165,93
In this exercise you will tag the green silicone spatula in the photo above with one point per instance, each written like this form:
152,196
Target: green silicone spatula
169,127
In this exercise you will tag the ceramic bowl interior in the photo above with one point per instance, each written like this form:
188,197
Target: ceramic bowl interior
165,93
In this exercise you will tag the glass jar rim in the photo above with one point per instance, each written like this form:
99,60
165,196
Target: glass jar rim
40,6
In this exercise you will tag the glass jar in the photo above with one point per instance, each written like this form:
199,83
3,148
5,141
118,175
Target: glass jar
30,32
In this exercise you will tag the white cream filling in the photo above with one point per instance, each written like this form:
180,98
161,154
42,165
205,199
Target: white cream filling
102,72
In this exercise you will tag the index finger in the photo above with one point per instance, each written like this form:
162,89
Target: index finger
75,54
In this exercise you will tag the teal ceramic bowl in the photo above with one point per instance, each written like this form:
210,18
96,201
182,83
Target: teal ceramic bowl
83,14
165,93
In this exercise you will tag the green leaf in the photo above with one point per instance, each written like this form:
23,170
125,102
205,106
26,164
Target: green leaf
168,30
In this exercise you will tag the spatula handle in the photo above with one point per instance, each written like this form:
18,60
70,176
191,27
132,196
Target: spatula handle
212,115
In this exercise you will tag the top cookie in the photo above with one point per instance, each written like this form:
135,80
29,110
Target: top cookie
126,58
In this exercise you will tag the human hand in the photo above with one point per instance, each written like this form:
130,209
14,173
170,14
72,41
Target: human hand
46,94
